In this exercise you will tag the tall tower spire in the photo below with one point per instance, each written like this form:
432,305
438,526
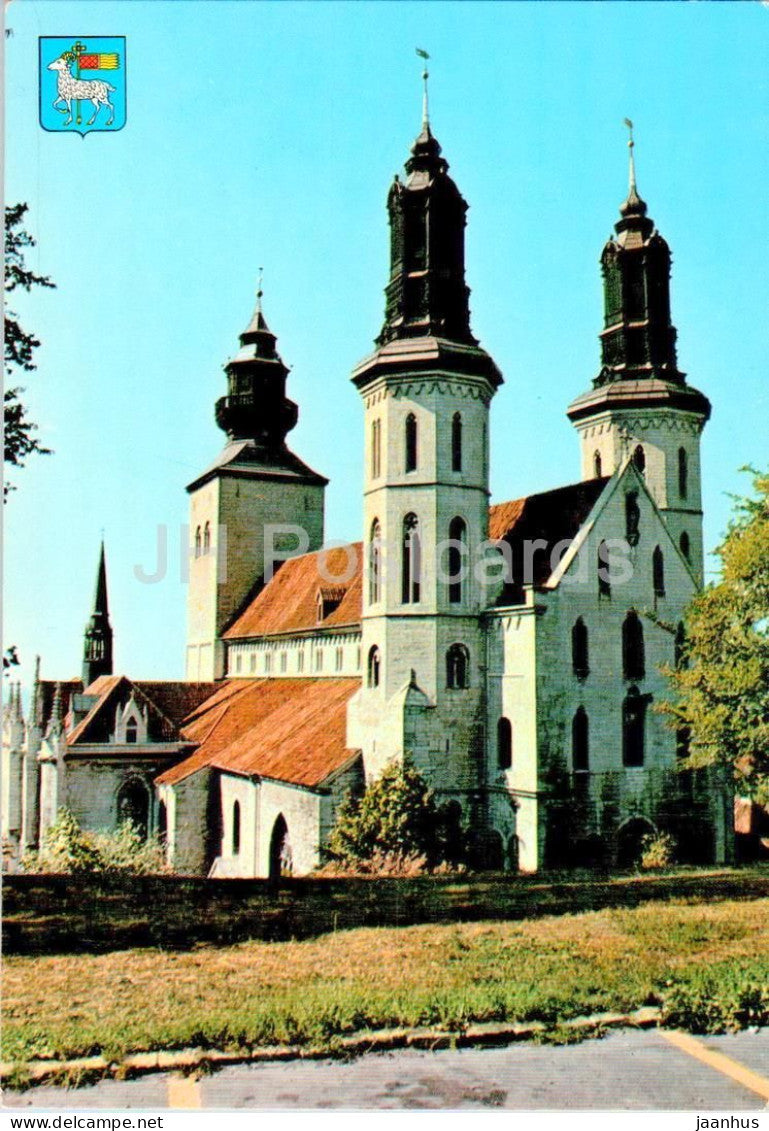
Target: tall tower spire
426,294
97,648
640,402
425,76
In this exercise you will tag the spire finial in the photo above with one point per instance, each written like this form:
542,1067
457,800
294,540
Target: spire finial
425,76
631,145
260,291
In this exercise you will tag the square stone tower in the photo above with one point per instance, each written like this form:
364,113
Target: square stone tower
256,505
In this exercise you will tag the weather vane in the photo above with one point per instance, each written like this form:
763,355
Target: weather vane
259,291
425,76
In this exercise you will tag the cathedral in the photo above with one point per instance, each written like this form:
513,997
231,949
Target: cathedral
514,651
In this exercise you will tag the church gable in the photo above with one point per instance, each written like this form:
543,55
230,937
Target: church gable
115,709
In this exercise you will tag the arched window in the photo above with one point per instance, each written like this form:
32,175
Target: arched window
685,544
373,667
683,473
580,741
632,647
376,449
639,459
596,465
375,563
633,728
504,744
236,829
197,542
457,667
206,537
679,647
579,649
411,442
133,805
456,562
658,572
131,730
632,518
411,568
604,572
456,442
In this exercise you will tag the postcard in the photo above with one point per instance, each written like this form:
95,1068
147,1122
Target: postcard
386,656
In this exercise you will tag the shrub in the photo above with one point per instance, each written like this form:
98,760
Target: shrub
657,851
395,826
67,849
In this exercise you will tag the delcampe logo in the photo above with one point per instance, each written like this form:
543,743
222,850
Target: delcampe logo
82,84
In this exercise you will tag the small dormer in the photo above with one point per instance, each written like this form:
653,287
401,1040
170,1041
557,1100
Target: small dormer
131,723
328,598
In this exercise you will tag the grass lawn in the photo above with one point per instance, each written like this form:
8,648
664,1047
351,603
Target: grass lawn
708,964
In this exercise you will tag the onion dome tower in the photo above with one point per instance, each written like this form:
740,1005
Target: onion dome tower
640,402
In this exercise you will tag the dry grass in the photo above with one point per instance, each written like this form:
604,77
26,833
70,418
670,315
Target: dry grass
298,992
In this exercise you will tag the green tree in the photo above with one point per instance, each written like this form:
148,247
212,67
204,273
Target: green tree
20,345
396,814
722,680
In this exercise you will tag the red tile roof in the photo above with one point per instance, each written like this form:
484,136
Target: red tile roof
292,730
289,603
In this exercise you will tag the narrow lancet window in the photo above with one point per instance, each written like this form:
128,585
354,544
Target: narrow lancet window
456,442
579,649
658,572
633,728
375,563
411,563
456,560
683,473
580,741
457,667
504,744
632,647
411,438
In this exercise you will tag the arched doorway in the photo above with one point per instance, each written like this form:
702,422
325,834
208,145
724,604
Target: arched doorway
133,804
281,862
630,841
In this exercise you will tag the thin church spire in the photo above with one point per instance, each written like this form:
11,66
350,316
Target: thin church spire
425,101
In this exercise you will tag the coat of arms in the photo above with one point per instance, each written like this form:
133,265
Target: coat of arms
82,84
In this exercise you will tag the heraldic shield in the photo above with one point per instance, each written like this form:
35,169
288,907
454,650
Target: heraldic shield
82,83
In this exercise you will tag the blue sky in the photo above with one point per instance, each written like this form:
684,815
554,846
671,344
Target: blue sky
266,134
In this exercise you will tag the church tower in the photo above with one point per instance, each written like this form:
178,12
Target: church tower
426,392
97,645
256,505
640,403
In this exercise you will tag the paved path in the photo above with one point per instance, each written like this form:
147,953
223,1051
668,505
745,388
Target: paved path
650,1070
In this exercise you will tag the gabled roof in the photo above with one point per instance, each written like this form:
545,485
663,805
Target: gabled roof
167,702
551,517
289,602
292,730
